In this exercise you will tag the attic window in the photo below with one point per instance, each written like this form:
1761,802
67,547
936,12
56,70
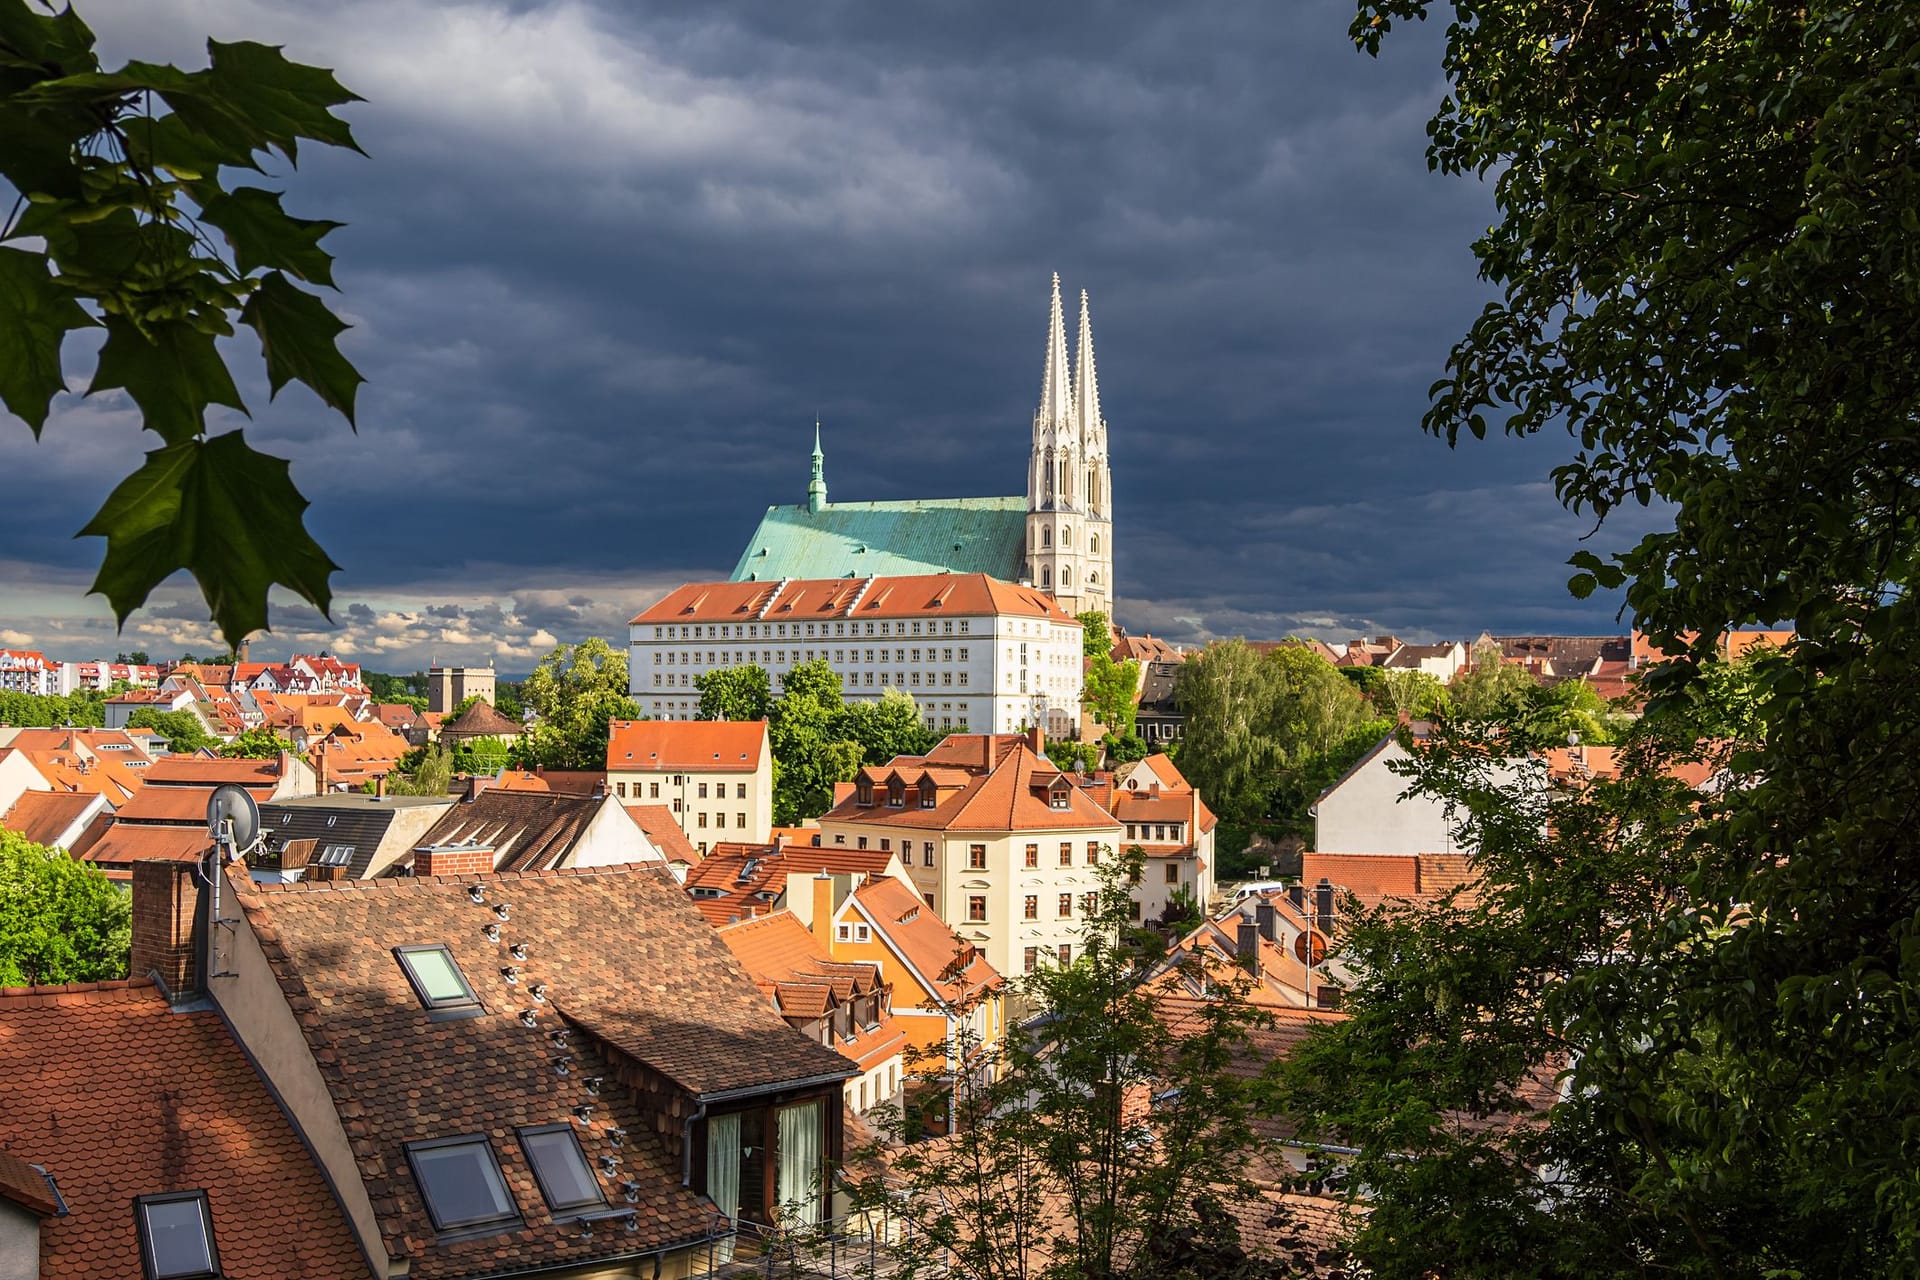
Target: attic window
863,792
437,980
336,855
460,1180
560,1167
176,1236
896,794
929,795
1058,799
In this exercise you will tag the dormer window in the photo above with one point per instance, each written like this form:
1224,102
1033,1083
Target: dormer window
863,793
1058,799
896,794
437,980
176,1236
929,795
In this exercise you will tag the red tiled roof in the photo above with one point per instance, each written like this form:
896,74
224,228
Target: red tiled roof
176,804
26,1186
124,844
1010,794
950,595
481,721
44,816
685,746
118,1095
942,957
209,771
658,822
1370,877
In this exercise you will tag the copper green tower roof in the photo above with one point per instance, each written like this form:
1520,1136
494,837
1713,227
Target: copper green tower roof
821,539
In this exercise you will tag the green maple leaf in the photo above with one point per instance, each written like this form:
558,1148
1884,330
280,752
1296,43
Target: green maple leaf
283,100
35,314
265,235
296,337
173,376
221,511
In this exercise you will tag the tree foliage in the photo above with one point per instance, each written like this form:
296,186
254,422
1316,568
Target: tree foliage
83,708
734,693
424,771
1109,689
124,222
60,920
1056,1167
1489,687
575,693
1705,271
809,757
256,744
184,731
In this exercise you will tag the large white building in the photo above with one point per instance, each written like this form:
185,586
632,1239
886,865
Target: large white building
975,654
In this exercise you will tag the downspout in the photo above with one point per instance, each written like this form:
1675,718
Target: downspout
686,1143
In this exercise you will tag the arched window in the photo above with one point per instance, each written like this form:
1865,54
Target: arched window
1046,577
1046,537
1093,488
1066,575
1066,536
1095,547
1093,578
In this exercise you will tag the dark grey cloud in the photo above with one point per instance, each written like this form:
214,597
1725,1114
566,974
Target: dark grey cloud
606,264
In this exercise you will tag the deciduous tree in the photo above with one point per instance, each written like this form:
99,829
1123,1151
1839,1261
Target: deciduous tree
256,744
734,693
60,920
124,221
183,730
576,692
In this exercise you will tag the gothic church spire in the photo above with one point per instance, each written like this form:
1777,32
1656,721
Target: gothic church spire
1086,395
817,485
1056,389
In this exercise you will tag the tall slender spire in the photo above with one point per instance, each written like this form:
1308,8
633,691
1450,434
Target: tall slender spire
817,486
1056,390
1086,394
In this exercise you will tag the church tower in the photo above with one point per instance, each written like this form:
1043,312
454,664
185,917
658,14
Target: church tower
1069,491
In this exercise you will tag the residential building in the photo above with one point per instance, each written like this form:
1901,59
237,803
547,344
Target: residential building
403,720
1441,661
71,677
342,836
28,671
448,687
56,819
136,1139
1158,719
556,1072
716,776
166,819
948,999
1166,819
847,1006
1368,811
478,721
109,762
121,707
18,776
975,653
493,829
353,754
998,841
1058,537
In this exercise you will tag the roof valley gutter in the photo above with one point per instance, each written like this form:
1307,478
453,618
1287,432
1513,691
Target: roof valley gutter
777,1086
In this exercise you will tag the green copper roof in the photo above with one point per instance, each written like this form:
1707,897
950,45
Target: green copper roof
863,539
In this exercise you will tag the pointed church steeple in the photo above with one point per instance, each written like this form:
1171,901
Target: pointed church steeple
1086,393
817,486
1056,389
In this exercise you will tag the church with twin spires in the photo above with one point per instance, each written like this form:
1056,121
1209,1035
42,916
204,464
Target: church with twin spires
1059,537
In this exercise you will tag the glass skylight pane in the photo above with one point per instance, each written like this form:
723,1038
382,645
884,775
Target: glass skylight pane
566,1179
177,1238
437,977
462,1183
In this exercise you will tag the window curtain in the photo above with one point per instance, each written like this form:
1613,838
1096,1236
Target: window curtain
802,1163
723,1173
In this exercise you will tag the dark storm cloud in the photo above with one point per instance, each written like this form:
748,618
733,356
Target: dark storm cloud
606,264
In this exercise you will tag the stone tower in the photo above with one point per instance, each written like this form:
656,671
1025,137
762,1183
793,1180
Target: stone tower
1069,484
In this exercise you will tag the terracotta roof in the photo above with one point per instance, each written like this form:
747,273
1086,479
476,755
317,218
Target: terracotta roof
952,966
658,822
209,771
44,816
123,844
26,1186
570,782
168,1103
685,746
796,972
1370,877
1010,795
398,715
621,954
948,595
176,804
481,721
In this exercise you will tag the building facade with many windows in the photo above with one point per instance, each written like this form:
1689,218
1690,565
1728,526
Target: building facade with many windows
715,776
976,654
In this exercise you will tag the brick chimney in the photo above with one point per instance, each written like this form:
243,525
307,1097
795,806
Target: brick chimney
166,939
1249,946
453,860
1037,739
475,785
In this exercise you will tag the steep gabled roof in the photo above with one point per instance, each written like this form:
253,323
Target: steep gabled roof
116,1094
44,816
481,721
526,830
945,964
619,954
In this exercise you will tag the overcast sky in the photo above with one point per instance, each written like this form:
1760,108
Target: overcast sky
606,263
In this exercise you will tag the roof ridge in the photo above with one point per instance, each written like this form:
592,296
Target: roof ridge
396,884
103,987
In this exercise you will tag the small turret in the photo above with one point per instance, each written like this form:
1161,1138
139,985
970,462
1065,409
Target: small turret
817,485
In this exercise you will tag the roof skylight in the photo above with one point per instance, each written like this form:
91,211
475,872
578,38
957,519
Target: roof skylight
437,980
560,1167
460,1180
176,1236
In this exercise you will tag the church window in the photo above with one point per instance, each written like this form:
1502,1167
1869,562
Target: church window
1094,577
1066,538
1046,537
1095,543
1066,575
1046,577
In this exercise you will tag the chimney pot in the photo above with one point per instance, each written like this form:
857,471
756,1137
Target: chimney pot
1037,739
1267,920
1249,946
1323,905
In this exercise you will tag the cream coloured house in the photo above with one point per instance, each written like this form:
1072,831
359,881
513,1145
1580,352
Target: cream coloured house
714,776
1000,843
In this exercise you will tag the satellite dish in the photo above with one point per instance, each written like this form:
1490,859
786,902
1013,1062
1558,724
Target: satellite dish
232,814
